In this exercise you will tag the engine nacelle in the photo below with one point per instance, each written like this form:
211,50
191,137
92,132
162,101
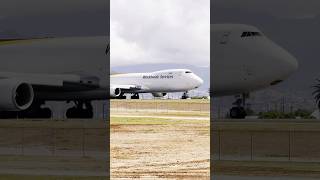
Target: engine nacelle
115,92
159,94
15,95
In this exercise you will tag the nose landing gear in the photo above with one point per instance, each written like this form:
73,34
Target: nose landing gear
185,95
238,111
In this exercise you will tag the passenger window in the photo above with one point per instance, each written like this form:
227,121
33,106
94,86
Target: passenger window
256,33
244,34
247,34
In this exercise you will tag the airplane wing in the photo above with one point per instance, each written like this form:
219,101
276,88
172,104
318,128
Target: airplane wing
127,88
117,90
70,82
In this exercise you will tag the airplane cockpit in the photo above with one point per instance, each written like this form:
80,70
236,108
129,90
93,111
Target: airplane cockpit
247,34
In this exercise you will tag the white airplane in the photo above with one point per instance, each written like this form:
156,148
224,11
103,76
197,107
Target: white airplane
33,71
159,83
245,60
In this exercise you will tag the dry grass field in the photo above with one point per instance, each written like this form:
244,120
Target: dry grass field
159,148
148,143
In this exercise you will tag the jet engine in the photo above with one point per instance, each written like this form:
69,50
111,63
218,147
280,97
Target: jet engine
115,92
159,94
15,95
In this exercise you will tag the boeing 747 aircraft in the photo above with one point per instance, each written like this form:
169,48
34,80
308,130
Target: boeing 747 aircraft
33,71
159,83
245,60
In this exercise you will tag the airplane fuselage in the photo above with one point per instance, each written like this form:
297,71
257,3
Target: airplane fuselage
245,60
173,80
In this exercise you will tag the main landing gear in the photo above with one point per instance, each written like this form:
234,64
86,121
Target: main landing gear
238,111
82,109
135,96
35,111
122,96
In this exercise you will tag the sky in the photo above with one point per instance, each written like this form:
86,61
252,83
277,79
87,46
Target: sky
278,8
54,18
160,31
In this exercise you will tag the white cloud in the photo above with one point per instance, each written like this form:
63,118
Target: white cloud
160,31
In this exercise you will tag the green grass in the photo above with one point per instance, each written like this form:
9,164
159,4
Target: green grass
267,126
207,101
153,121
178,114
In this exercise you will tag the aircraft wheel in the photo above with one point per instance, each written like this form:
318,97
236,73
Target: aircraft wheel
135,96
76,113
36,113
87,114
8,115
71,112
122,96
185,95
44,113
237,113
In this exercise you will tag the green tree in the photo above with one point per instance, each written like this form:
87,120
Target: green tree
316,93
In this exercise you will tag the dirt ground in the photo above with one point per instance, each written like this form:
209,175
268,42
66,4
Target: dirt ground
159,148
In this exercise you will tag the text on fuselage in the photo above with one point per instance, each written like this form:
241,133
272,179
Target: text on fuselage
157,76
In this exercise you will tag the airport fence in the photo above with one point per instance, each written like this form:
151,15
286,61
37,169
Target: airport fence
276,145
220,110
160,105
54,141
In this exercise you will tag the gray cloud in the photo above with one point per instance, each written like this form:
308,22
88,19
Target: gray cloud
278,8
43,7
55,17
166,31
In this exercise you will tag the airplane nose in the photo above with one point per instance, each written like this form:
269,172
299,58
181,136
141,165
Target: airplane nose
283,64
294,63
199,81
290,62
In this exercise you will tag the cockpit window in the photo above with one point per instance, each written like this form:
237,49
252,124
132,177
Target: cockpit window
247,34
188,72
